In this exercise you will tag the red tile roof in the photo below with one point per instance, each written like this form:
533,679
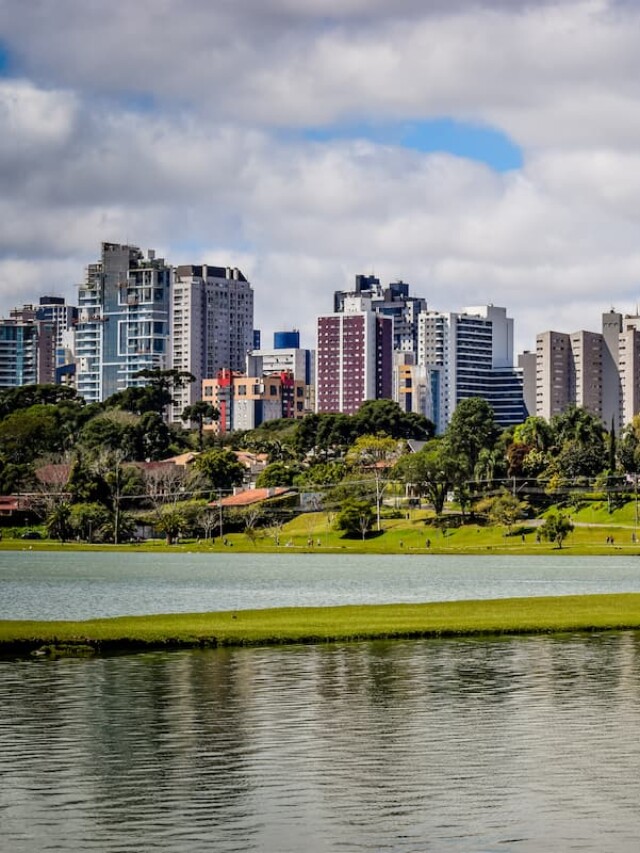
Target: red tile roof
253,496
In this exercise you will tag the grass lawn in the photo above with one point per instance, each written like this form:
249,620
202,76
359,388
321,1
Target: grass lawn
314,532
328,624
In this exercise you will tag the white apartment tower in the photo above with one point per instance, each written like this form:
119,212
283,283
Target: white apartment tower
474,351
211,326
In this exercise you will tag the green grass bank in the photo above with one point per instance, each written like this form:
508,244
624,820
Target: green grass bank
325,624
596,532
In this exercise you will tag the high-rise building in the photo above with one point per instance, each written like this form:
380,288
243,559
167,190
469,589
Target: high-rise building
211,328
474,351
587,350
527,363
416,387
55,321
45,342
19,342
611,387
123,320
597,371
353,357
555,377
390,300
54,309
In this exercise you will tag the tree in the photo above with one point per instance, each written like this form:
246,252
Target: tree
58,522
88,520
277,474
375,417
534,432
29,433
373,455
165,483
556,528
251,516
26,396
121,481
220,468
171,522
321,474
429,472
472,428
503,509
111,430
577,425
200,413
322,433
355,517
490,465
151,438
153,396
207,519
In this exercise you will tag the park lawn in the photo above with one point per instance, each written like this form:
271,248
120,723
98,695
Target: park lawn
410,534
327,624
597,512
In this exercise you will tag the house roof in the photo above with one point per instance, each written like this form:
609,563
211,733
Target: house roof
53,474
182,458
253,496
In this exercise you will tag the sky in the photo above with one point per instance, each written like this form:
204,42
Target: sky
485,151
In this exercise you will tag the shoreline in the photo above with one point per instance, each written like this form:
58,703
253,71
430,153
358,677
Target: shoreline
313,625
515,549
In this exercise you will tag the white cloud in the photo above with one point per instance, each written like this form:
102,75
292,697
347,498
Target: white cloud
203,172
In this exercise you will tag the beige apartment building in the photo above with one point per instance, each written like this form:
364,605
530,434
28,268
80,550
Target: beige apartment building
555,388
597,371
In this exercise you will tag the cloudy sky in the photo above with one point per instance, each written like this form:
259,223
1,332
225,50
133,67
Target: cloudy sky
485,152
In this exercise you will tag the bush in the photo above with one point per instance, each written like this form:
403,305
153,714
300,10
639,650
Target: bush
355,517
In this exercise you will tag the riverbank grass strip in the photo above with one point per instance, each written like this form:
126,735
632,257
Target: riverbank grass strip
329,624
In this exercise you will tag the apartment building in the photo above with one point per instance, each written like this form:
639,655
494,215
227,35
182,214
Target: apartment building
391,300
19,342
211,326
473,350
555,376
354,353
416,388
597,371
244,401
286,357
123,320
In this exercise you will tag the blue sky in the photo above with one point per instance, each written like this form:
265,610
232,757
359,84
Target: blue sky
480,143
197,131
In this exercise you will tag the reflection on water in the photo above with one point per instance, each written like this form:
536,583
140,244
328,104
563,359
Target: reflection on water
512,744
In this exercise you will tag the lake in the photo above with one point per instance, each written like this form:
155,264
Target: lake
81,585
468,746
517,744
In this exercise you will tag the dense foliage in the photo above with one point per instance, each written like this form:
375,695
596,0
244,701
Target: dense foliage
89,468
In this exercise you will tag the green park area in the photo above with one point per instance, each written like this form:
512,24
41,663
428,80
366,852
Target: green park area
324,624
592,529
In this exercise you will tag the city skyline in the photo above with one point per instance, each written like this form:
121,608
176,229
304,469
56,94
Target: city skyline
308,144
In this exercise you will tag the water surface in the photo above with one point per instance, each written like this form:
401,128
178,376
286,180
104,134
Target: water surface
522,744
82,585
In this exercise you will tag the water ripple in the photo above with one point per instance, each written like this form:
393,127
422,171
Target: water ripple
523,744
